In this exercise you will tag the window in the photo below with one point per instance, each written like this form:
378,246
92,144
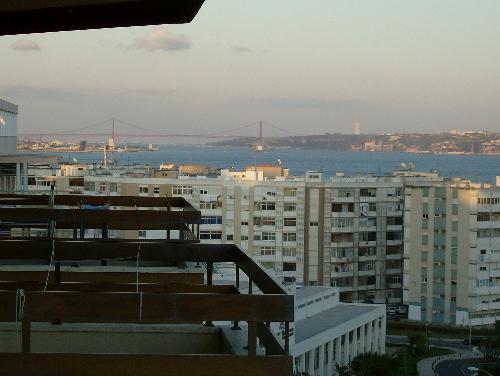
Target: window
142,234
290,222
394,221
313,223
289,252
342,222
290,207
210,235
483,217
229,237
289,267
342,208
372,206
156,190
31,180
394,235
182,190
102,187
211,220
244,223
368,192
244,237
267,251
316,358
289,236
342,237
425,215
369,236
143,189
89,186
290,192
268,236
263,206
264,221
113,187
203,192
210,205
271,194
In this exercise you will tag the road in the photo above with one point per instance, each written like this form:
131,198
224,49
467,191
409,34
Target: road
452,368
438,342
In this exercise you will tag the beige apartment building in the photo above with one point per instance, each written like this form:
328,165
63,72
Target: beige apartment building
452,252
344,231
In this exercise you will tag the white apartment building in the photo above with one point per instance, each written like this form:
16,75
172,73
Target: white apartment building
327,332
345,232
452,252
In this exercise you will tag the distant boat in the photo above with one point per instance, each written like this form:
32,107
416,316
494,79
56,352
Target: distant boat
259,148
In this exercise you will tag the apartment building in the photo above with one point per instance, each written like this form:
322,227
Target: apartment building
452,252
345,232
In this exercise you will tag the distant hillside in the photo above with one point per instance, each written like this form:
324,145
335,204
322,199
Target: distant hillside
463,142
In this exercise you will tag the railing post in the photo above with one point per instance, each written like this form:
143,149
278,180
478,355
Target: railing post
252,338
237,276
210,270
250,286
57,272
235,323
287,337
26,335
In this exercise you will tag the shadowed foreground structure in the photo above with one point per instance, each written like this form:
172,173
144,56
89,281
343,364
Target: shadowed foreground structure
130,307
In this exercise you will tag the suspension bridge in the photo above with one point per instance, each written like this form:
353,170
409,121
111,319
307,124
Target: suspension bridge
115,128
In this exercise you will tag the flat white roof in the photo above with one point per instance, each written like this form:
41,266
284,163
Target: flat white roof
330,318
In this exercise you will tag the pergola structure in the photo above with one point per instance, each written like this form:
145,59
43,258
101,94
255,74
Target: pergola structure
57,294
81,213
35,16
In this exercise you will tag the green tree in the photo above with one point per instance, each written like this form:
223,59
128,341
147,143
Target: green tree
370,364
343,370
418,344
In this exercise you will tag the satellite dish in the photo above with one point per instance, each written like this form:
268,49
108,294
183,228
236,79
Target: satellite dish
403,165
2,121
279,161
75,160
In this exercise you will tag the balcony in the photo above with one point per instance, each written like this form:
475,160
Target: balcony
342,200
147,299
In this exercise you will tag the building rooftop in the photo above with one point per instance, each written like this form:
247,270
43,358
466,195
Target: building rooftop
330,318
307,291
7,106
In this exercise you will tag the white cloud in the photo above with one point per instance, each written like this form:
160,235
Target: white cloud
25,45
163,39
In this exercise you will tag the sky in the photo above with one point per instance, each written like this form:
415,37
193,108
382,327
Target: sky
304,67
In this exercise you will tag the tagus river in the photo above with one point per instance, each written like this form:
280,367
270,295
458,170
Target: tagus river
476,167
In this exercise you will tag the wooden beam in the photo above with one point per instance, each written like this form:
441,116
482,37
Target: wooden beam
125,219
273,347
143,365
106,277
258,276
77,200
119,287
81,249
252,338
96,307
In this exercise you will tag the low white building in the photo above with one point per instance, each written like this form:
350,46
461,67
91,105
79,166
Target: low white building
327,332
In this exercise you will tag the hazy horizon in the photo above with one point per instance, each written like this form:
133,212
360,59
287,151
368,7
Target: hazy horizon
307,68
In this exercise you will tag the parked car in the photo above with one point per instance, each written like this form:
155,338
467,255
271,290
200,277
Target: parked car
475,341
402,310
391,309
